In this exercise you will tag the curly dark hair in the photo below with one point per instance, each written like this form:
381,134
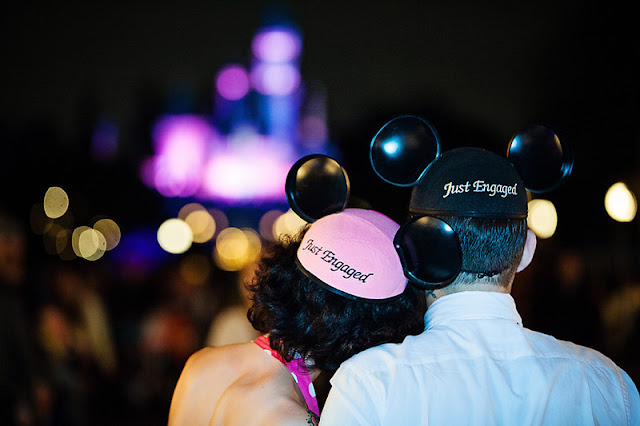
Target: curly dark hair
325,328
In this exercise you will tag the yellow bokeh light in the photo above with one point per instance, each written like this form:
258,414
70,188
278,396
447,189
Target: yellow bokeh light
56,202
88,243
232,243
75,239
95,242
287,224
202,225
175,236
620,203
110,230
543,219
255,244
233,249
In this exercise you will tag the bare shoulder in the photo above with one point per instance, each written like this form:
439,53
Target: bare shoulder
222,361
267,395
206,374
202,364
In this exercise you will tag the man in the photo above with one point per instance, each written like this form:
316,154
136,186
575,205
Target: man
475,363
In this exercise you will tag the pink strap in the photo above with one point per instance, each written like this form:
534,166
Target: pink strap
298,370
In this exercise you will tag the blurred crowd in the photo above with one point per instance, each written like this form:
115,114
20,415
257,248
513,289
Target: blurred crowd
84,343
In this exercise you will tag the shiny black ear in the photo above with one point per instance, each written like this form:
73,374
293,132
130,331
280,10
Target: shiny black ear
403,149
541,159
429,251
317,186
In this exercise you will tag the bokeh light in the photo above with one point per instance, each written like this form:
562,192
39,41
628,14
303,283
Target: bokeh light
275,79
92,240
277,45
110,230
232,82
287,224
255,174
236,248
543,218
175,236
182,143
620,202
241,154
201,222
56,202
88,243
231,250
255,244
202,225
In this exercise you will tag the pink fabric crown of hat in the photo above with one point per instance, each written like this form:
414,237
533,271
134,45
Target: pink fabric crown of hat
352,253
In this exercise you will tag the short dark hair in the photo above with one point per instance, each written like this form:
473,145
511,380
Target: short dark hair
489,246
303,318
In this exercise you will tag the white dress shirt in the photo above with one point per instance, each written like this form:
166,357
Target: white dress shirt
476,364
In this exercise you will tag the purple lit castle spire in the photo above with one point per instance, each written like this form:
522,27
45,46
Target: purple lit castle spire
264,119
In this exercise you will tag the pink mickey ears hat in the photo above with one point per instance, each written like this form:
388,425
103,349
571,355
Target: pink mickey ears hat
352,252
349,252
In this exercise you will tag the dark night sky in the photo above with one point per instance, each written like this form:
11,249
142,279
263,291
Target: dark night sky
501,65
478,70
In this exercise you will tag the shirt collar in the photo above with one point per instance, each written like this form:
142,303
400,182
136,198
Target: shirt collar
470,305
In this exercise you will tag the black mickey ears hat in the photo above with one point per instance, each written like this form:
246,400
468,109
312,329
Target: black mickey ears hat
462,182
470,182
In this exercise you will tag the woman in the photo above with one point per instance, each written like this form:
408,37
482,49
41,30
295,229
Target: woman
319,298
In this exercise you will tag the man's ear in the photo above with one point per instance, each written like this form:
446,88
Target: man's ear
529,250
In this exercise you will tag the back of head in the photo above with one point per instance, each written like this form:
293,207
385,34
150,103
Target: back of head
482,197
334,290
491,248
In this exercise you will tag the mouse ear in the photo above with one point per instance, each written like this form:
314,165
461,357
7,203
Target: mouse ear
317,186
403,149
429,251
541,159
